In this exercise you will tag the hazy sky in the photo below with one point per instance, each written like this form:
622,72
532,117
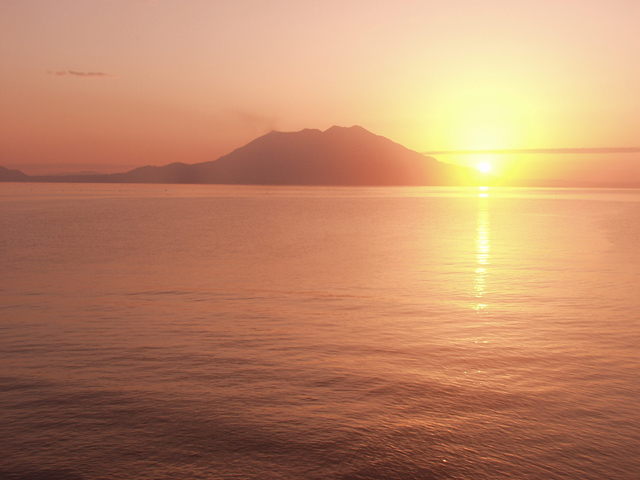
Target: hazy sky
133,82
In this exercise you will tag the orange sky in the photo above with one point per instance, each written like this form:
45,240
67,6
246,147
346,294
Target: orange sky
131,82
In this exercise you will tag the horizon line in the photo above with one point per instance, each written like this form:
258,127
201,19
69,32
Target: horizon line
536,150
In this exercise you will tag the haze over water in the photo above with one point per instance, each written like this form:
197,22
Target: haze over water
197,332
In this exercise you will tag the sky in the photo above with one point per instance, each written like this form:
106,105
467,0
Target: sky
110,85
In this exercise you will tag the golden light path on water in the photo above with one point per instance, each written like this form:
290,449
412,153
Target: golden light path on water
482,249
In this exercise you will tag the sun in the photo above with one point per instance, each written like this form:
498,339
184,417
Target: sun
484,167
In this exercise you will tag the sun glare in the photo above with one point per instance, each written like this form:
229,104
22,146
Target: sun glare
484,167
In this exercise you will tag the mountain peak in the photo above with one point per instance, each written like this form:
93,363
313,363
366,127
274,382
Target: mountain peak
352,129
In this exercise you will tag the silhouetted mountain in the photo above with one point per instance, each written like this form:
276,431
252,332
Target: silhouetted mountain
7,175
337,156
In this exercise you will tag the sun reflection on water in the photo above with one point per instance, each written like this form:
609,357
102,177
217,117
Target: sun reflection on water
482,250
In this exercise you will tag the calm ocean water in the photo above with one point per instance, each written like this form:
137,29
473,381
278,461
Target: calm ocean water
212,332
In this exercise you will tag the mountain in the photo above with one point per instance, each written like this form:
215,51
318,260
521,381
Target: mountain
7,175
337,156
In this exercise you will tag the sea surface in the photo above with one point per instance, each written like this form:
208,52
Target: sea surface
226,332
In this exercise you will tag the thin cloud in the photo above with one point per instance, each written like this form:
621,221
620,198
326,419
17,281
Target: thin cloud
74,73
539,150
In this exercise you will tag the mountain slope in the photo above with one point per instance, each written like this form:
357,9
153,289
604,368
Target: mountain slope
7,175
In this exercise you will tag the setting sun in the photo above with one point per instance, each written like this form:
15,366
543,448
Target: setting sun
484,167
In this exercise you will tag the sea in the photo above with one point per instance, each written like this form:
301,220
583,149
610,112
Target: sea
352,333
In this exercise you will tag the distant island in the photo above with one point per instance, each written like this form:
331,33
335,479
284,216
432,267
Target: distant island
337,156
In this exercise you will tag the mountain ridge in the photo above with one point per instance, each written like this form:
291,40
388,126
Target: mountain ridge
336,156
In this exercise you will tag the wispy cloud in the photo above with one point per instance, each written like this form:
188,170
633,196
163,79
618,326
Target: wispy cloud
74,73
540,150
